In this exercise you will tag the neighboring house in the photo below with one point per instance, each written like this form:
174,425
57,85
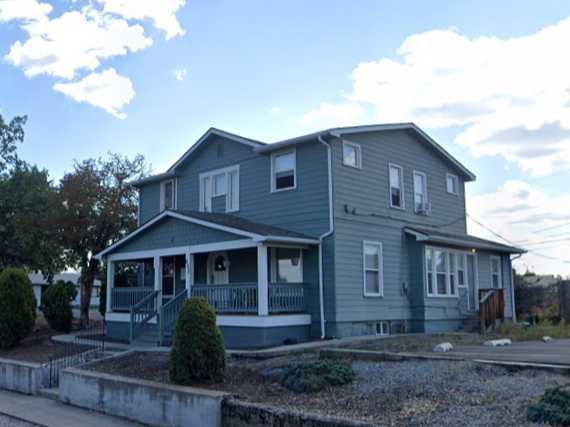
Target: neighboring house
349,231
40,284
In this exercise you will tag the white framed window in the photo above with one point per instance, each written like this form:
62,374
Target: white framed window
461,259
286,265
396,186
167,195
496,273
284,170
220,183
373,269
351,154
442,273
452,184
421,204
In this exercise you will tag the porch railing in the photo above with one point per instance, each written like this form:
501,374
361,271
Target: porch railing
122,299
142,312
286,298
169,313
229,298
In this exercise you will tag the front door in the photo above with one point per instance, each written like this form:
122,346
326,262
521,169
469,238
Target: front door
218,268
168,278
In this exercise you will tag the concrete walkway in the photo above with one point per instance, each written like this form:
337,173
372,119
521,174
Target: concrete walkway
50,413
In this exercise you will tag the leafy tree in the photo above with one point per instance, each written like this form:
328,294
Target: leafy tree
10,135
57,305
99,207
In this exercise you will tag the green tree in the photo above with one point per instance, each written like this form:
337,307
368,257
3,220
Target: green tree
10,135
99,207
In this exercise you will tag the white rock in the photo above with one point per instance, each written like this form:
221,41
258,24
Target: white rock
498,343
546,339
443,347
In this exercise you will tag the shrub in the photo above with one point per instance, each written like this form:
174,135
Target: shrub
17,307
314,376
553,408
56,305
198,352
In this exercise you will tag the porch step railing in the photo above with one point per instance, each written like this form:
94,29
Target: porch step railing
168,315
238,298
122,299
491,308
142,313
286,298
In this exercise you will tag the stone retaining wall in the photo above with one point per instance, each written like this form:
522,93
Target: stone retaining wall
23,377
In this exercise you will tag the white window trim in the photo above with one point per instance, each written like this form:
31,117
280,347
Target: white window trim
448,252
162,195
358,150
272,160
380,269
390,166
499,273
425,189
210,175
273,260
450,175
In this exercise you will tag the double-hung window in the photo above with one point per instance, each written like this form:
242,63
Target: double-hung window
396,186
217,184
452,182
373,269
496,279
167,195
283,171
442,274
420,193
351,154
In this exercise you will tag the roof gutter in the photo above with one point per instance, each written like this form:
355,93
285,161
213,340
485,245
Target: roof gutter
324,236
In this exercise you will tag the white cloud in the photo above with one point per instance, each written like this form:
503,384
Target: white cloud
180,74
75,41
332,115
502,90
275,110
107,90
162,13
518,211
26,10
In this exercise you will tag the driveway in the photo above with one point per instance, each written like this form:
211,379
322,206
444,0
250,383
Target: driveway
556,352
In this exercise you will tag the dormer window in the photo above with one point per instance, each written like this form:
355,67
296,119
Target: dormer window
283,171
167,195
217,184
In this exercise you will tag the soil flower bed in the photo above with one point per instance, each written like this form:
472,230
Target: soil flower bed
408,393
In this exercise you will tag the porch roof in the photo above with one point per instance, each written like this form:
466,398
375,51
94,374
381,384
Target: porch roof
228,223
461,240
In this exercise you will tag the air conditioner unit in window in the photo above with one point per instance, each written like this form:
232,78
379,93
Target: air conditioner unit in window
424,208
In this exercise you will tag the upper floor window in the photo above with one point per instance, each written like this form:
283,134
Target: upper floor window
167,195
396,186
420,193
496,279
452,184
283,171
220,183
351,154
373,269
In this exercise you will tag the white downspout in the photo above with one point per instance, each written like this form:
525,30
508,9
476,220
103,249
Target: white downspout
324,236
513,305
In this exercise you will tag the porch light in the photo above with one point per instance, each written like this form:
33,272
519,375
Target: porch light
295,261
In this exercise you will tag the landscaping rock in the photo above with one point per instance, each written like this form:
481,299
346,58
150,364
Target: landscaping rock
546,339
443,347
498,343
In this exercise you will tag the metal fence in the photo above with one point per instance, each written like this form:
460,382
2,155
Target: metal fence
87,345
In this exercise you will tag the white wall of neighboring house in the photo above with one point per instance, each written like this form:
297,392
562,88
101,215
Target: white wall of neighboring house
39,282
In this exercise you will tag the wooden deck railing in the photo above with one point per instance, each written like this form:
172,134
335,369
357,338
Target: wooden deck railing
491,307
122,299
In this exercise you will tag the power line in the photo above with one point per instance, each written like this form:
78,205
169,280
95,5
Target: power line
491,231
552,227
529,241
543,242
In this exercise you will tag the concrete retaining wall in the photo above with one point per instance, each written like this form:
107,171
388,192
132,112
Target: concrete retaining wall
146,402
23,377
245,414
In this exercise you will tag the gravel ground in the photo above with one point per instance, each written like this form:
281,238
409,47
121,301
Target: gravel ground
412,393
6,421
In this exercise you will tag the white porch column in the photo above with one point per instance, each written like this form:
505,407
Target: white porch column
110,283
158,277
262,281
189,272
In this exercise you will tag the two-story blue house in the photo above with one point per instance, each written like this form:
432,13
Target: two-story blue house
348,231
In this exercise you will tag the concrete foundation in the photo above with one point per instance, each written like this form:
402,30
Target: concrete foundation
23,377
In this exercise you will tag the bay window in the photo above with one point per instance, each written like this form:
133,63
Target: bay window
442,273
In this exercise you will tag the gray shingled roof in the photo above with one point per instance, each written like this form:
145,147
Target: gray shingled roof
238,223
463,239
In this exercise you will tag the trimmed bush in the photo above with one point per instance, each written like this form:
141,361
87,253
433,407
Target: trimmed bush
314,376
198,352
553,408
56,305
17,307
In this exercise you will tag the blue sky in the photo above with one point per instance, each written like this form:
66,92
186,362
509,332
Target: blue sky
271,70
